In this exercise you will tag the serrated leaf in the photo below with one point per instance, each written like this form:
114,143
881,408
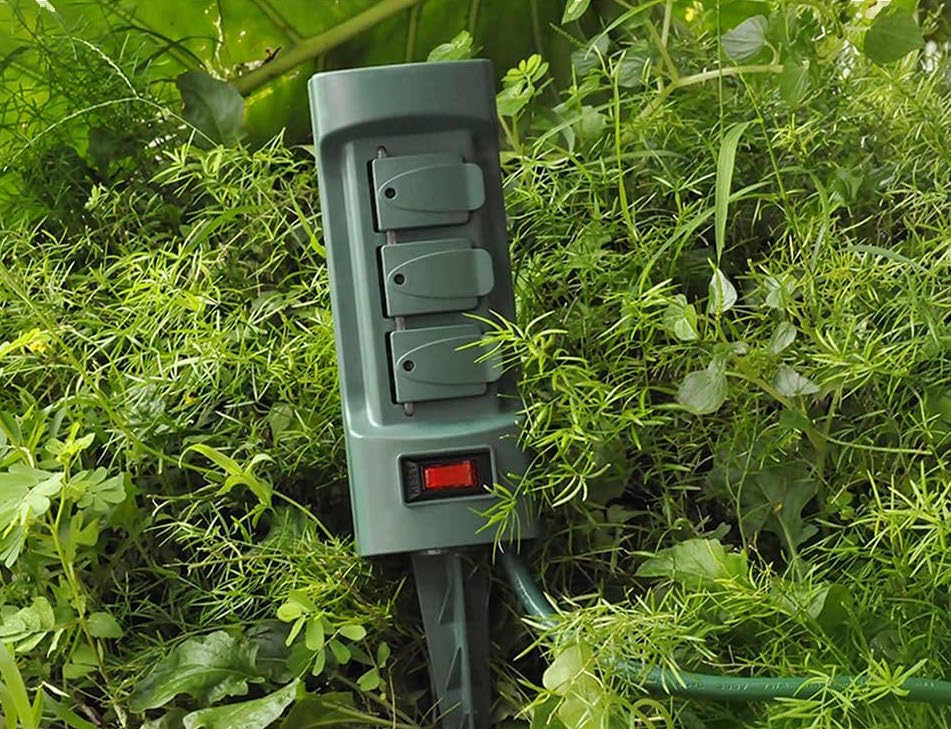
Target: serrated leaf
458,49
680,319
783,337
721,294
893,35
746,39
703,392
696,563
207,669
790,383
213,107
574,9
103,625
255,714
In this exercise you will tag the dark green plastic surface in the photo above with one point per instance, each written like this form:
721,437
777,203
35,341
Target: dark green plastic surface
428,132
454,600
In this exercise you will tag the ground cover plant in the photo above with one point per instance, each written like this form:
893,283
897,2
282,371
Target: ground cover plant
730,236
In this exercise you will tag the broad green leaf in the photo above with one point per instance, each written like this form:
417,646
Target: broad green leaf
783,337
314,635
587,59
746,39
591,125
630,71
790,383
726,162
320,660
353,632
773,500
208,669
584,704
370,680
893,35
255,714
458,49
779,291
340,651
544,715
512,99
697,563
793,419
24,497
574,9
721,294
680,319
324,710
38,618
831,606
74,721
213,107
793,82
171,720
83,662
703,392
103,625
101,496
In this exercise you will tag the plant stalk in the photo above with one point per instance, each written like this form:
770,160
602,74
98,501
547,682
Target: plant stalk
319,44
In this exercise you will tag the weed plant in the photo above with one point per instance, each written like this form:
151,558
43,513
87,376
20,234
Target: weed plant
733,331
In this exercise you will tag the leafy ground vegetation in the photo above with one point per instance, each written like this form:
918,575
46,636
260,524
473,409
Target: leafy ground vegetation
731,250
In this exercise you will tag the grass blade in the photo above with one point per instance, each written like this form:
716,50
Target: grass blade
725,164
17,690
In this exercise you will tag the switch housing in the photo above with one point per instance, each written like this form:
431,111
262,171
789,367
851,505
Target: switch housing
414,225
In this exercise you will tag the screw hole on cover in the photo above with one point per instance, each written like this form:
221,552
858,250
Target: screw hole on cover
409,365
390,193
398,279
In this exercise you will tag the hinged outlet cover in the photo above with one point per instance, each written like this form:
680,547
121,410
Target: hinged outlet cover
438,363
434,276
423,190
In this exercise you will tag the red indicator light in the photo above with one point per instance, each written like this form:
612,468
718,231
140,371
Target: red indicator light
459,475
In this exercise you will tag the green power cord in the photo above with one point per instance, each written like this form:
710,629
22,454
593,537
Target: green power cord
719,688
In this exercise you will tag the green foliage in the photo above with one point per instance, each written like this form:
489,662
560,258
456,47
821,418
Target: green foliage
207,669
729,237
893,34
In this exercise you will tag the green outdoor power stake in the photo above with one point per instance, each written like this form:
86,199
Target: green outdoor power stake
414,223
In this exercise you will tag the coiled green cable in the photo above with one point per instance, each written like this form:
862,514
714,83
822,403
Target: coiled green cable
719,688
